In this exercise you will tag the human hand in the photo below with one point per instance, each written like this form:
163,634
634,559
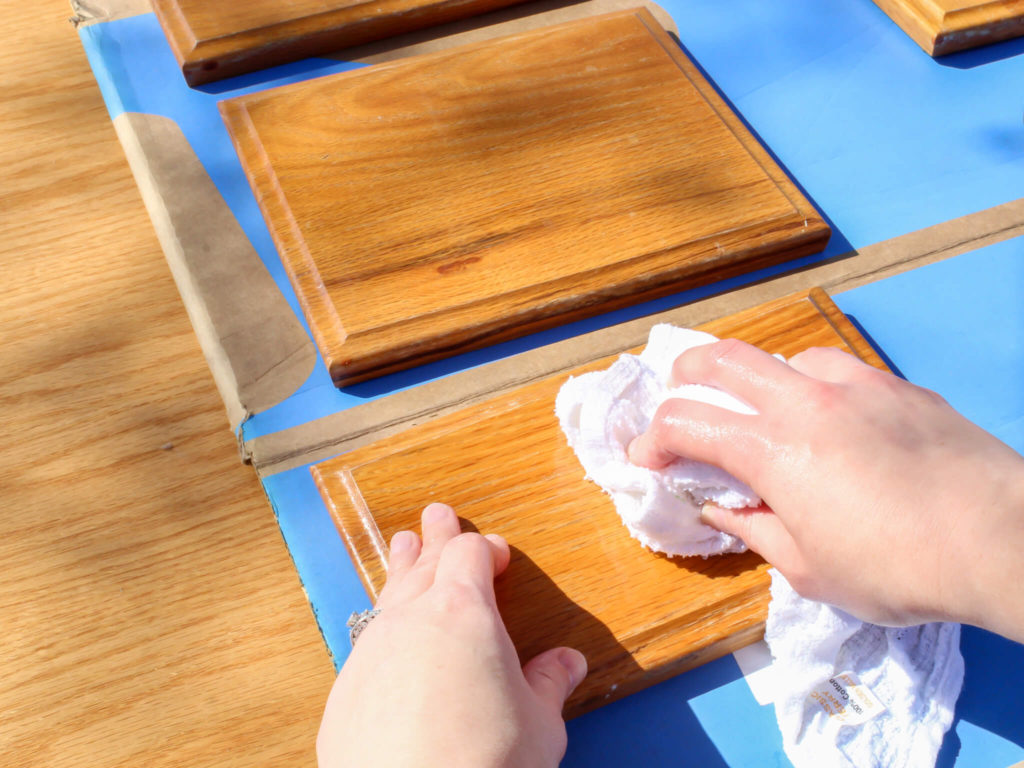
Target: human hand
434,678
878,497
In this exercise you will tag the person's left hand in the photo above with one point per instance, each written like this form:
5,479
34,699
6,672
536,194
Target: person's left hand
434,679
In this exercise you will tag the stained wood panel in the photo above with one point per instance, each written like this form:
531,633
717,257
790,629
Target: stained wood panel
213,39
576,577
444,202
946,26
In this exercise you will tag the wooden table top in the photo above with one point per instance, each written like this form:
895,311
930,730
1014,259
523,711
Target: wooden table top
150,612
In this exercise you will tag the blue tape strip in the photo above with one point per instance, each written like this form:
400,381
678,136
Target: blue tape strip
692,719
324,567
955,327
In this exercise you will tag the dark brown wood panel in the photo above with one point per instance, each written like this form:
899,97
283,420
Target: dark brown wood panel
445,202
946,26
576,577
213,39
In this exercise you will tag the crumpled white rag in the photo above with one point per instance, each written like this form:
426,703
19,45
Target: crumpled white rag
602,411
856,695
848,693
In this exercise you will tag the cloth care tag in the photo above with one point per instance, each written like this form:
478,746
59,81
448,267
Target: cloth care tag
845,700
856,695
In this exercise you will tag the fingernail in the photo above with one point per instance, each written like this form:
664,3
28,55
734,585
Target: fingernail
402,541
435,513
575,664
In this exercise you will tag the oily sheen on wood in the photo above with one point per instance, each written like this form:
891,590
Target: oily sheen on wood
576,577
213,39
945,26
444,202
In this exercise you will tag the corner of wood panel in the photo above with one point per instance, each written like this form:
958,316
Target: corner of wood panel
354,522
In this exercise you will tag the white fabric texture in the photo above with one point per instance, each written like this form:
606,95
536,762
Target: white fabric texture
602,411
903,682
915,672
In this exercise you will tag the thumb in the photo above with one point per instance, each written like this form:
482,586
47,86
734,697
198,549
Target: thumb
758,527
554,674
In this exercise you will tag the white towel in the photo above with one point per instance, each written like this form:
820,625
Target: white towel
602,411
900,685
855,695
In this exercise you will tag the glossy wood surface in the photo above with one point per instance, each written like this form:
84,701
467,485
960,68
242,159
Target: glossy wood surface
946,26
213,39
445,202
576,577
150,613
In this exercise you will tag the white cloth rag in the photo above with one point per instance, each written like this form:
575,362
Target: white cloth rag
602,411
848,693
855,695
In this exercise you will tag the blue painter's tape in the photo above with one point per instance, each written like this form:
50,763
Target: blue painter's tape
691,719
956,326
324,567
988,727
885,139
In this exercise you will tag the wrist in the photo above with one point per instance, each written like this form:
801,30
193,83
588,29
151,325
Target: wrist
991,593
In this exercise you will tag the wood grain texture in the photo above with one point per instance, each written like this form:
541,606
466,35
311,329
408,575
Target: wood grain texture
576,578
151,614
448,201
946,26
213,39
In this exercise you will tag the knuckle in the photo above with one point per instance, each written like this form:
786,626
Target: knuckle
724,350
812,354
667,417
824,396
698,363
469,542
459,605
934,396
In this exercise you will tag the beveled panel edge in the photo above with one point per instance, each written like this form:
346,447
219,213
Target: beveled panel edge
939,33
360,356
340,432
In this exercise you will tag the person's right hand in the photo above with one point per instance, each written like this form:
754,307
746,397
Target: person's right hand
879,497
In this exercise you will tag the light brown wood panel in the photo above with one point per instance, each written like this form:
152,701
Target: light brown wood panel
448,201
150,612
576,577
213,39
946,26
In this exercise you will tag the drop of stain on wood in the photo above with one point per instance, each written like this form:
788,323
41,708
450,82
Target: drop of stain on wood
457,266
167,447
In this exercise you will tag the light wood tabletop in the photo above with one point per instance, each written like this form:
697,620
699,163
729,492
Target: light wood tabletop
150,613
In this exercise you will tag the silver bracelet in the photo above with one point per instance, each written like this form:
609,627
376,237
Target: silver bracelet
357,623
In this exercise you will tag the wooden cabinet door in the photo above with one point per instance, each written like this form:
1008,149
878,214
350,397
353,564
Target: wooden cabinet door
577,577
448,201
